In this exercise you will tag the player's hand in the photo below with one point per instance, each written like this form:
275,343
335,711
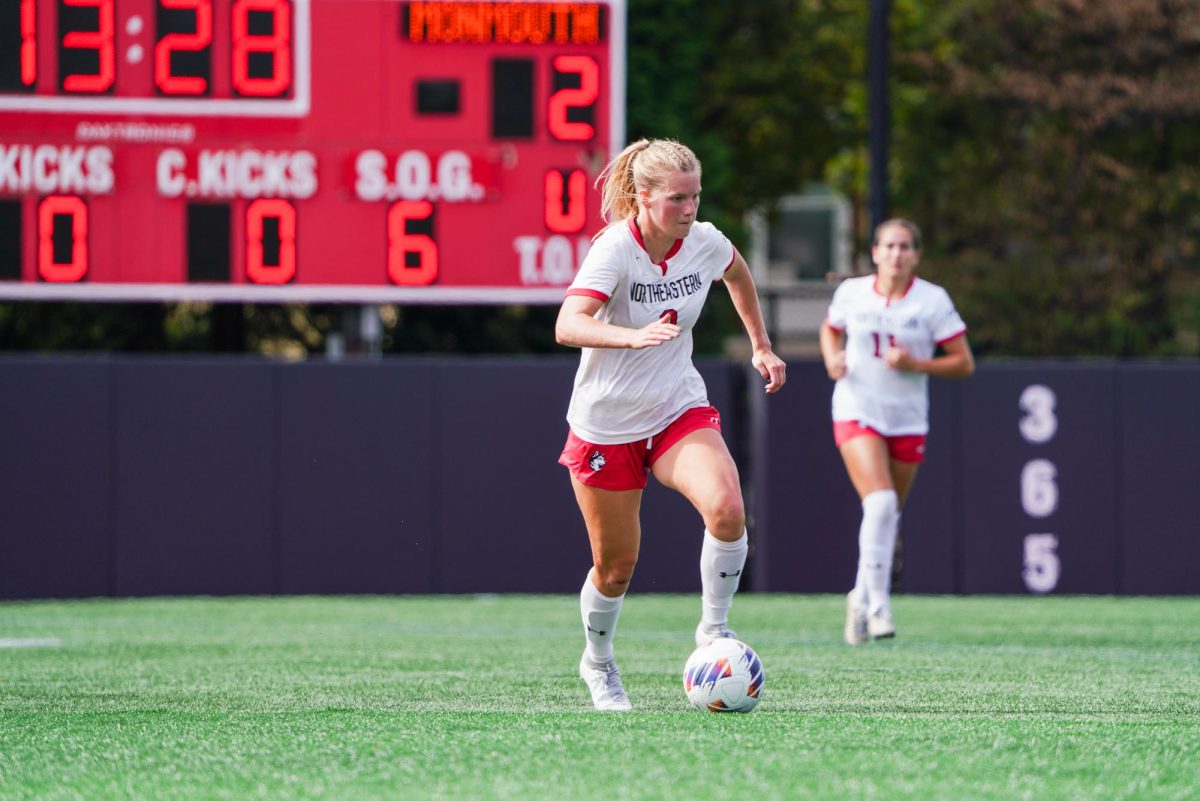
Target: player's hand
655,334
835,365
771,368
898,358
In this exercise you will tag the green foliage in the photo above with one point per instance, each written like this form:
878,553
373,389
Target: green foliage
1055,169
86,326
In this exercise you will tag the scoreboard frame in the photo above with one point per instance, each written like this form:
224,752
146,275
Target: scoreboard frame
115,195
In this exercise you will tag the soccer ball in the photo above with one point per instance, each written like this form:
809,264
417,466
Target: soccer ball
724,675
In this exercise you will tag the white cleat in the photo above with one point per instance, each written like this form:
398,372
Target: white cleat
705,634
604,682
856,622
880,626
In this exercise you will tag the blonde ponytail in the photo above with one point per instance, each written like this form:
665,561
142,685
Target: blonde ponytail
644,165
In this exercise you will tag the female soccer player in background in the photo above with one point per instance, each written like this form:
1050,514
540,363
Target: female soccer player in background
638,403
880,341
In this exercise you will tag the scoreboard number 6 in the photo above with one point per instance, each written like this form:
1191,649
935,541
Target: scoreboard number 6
412,256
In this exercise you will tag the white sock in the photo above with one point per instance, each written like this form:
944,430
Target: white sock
600,614
721,566
876,545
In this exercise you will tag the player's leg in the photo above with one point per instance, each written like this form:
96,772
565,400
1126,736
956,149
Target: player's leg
904,473
700,467
611,518
868,606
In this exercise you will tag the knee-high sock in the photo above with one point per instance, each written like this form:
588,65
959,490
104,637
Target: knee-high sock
721,566
600,613
876,545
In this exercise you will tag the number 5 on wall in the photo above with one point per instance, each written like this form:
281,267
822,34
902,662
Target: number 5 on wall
1042,566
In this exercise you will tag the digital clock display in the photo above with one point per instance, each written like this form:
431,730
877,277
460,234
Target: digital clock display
304,150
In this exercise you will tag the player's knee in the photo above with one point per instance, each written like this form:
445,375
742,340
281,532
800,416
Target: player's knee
726,518
615,575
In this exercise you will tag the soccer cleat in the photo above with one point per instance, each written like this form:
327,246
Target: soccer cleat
705,634
604,682
856,622
880,626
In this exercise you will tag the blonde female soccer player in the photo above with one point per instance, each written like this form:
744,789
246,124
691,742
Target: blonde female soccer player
638,403
880,343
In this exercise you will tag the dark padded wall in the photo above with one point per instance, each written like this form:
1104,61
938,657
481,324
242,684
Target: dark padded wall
56,491
139,476
194,475
1158,478
357,453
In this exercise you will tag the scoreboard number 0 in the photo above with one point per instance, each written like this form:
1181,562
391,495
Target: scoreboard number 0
62,238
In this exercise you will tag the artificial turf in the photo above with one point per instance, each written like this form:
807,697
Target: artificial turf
468,698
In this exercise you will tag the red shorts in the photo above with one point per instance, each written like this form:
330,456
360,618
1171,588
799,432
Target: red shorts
904,448
624,466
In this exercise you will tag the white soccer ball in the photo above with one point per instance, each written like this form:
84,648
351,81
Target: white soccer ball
724,675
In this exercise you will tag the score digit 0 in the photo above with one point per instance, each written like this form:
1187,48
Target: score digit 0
62,239
566,201
270,241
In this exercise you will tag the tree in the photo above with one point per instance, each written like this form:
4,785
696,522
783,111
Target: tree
1052,151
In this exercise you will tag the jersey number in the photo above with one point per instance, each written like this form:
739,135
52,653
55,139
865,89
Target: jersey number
878,337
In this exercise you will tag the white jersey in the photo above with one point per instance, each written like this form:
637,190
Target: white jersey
625,395
892,402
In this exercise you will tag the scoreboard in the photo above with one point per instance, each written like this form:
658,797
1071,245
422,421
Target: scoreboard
304,150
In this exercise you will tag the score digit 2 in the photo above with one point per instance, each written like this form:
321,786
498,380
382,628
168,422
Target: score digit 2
571,109
190,52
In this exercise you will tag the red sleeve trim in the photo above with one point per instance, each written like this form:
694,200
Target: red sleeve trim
590,293
838,328
952,337
732,259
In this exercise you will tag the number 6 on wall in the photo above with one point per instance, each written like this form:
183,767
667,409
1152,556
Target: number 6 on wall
1042,565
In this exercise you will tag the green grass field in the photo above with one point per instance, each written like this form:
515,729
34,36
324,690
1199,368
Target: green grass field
469,698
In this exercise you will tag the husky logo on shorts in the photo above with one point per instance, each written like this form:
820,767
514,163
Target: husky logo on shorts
596,461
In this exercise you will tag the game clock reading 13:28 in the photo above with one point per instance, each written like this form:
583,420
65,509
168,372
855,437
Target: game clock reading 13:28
304,150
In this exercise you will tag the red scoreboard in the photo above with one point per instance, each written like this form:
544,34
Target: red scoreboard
304,150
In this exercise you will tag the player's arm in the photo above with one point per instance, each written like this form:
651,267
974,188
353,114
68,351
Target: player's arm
954,361
740,284
833,350
578,327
